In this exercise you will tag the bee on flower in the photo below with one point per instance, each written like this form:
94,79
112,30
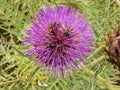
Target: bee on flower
61,38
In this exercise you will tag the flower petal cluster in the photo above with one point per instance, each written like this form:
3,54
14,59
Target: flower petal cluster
61,38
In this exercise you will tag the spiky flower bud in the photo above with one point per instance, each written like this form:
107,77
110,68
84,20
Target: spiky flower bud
113,44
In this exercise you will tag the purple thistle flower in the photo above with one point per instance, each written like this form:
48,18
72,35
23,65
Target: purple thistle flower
61,38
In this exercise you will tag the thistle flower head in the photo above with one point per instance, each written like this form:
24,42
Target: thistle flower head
61,38
113,44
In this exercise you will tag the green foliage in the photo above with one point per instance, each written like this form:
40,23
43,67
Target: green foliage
19,72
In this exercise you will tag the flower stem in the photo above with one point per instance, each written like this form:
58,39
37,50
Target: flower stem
102,80
88,71
96,51
100,59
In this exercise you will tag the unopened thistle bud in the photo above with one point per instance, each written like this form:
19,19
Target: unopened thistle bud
113,48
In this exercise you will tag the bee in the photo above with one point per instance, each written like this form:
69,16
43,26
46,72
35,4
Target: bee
66,33
52,45
53,28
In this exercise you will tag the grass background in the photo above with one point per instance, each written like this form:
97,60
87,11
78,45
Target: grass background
18,72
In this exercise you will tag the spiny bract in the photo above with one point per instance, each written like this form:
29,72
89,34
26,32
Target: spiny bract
113,44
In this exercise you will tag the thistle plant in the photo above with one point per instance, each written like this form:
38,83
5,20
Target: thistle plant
61,38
